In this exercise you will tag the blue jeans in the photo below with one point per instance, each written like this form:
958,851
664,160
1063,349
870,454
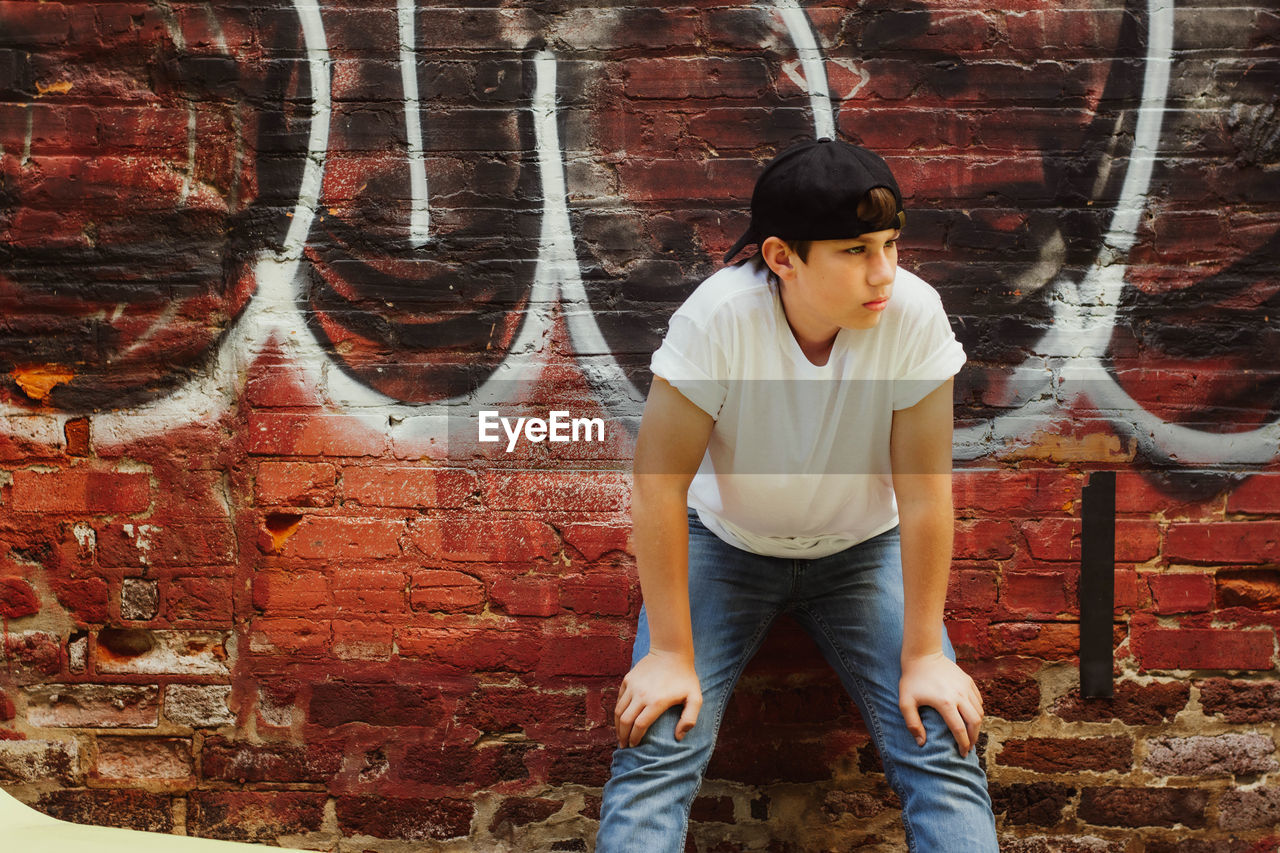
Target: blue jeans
851,604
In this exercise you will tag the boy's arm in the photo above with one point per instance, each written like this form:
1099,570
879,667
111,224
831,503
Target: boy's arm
920,451
673,438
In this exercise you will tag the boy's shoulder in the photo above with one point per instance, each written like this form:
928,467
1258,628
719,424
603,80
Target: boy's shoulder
728,290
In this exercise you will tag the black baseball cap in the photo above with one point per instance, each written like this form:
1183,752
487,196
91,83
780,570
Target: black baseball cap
811,191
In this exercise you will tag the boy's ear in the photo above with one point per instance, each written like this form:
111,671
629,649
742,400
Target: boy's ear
778,255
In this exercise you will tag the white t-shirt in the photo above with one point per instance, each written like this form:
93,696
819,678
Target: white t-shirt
798,461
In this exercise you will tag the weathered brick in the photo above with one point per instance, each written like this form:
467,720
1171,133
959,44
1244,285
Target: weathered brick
1014,492
1229,542
985,539
584,491
74,491
1074,843
594,540
177,545
198,599
336,702
1258,495
585,654
337,538
17,598
132,760
124,808
162,652
1065,755
1240,701
362,640
1132,703
139,599
36,652
408,487
290,434
304,484
289,635
253,816
93,706
86,598
599,595
1010,697
1211,756
39,761
1035,594
408,819
200,706
527,595
504,648
279,592
1130,807
1256,589
1181,593
1037,803
1201,648
447,591
477,538
518,811
1258,808
236,761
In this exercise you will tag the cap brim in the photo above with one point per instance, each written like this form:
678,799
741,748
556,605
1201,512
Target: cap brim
745,240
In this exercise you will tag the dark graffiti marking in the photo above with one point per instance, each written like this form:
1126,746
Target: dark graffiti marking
420,186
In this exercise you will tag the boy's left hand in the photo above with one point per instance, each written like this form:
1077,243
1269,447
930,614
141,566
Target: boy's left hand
936,681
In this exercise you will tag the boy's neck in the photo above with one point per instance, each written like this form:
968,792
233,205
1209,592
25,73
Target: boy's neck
815,337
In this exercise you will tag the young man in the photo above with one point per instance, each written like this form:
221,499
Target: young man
795,456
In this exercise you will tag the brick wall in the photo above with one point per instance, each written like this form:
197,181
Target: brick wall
263,261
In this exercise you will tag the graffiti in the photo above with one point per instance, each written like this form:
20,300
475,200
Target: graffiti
404,199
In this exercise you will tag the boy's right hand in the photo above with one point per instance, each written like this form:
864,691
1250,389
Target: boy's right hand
661,679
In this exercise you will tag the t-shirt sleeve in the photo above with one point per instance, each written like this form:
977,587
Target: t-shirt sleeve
931,355
694,362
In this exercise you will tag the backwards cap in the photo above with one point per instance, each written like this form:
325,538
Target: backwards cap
811,191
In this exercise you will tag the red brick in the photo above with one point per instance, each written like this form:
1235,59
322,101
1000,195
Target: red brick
436,589
1147,494
528,595
17,598
288,636
717,79
1241,701
1132,703
93,492
277,592
1047,641
408,487
412,819
1003,491
86,599
334,703
127,809
279,385
370,590
985,539
1181,593
586,654
76,432
580,491
288,434
478,538
223,760
1066,755
296,483
1257,589
1131,807
593,541
1224,543
254,816
1200,648
473,649
601,596
1056,539
338,538
198,599
362,640
1035,803
183,544
1035,595
1258,495
1136,541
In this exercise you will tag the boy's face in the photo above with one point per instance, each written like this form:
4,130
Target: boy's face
845,283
